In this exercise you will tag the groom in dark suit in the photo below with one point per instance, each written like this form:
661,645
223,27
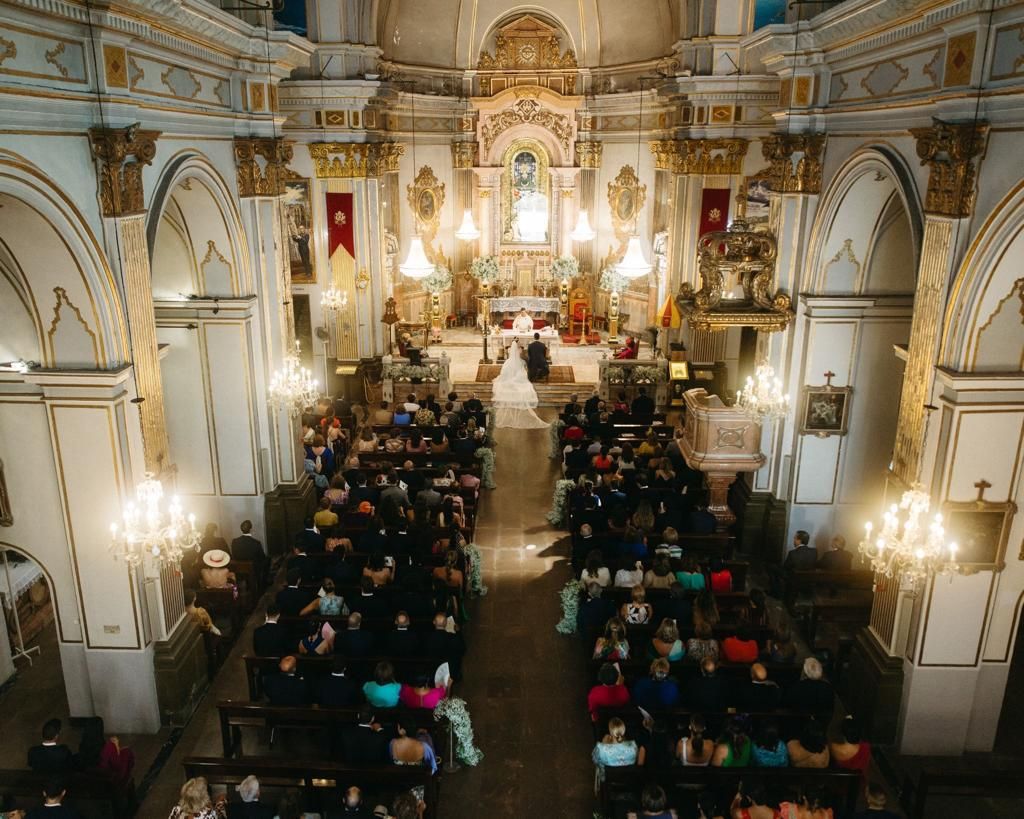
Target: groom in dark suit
536,359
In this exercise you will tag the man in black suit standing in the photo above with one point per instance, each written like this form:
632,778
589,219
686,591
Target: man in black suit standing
309,539
52,756
247,547
53,806
643,404
804,556
271,639
536,359
836,559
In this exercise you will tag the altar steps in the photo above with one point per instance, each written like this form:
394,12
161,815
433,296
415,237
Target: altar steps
548,395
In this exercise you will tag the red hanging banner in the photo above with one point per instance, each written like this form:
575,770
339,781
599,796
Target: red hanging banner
340,233
714,209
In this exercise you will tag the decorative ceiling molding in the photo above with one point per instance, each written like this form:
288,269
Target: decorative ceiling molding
354,160
700,156
527,110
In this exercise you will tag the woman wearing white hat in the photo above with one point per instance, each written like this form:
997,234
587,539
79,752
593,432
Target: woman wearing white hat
215,573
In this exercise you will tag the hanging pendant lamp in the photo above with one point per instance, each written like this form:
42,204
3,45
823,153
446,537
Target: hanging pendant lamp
416,264
583,232
633,264
468,230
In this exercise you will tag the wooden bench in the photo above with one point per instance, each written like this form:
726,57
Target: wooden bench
359,668
108,800
686,669
843,598
982,784
790,721
623,784
323,783
419,459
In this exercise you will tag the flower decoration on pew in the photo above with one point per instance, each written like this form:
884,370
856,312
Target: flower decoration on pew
558,516
490,426
476,576
555,431
485,455
454,710
570,595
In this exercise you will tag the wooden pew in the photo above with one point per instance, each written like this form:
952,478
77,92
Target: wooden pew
92,795
463,459
322,782
844,598
683,670
790,721
359,668
621,783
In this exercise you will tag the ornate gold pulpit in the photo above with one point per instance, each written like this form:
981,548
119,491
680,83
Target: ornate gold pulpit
719,441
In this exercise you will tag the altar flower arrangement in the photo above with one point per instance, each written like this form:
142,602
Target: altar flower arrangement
485,455
555,432
454,710
484,268
439,280
646,375
612,280
558,516
616,375
565,267
412,372
570,596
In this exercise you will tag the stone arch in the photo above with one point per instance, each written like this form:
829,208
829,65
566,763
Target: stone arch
870,213
542,13
66,587
50,257
982,328
194,227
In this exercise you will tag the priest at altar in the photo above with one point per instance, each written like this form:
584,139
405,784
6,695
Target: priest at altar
523,323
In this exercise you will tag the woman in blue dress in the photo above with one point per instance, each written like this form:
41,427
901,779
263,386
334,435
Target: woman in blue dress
614,750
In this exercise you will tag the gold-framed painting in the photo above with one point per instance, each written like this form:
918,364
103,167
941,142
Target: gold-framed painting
980,529
825,411
757,202
298,219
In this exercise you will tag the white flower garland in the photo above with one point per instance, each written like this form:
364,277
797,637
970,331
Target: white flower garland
486,457
454,710
559,514
570,595
485,268
612,280
565,267
490,426
439,280
476,578
556,439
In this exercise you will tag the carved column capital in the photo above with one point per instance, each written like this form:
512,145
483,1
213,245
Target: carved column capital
355,160
269,179
949,150
463,155
588,154
700,156
794,162
121,154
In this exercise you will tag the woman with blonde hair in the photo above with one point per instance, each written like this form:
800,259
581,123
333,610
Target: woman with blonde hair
614,750
194,802
367,440
637,611
666,642
613,646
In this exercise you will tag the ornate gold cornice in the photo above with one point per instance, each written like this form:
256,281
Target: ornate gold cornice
266,181
349,160
588,154
526,110
700,156
949,151
794,162
121,192
463,155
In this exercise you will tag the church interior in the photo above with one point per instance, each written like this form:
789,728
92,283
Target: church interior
269,546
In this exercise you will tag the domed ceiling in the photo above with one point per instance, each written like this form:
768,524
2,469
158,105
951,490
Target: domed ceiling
452,33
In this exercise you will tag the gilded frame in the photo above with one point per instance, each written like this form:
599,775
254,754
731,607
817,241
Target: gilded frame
297,204
966,522
814,419
539,152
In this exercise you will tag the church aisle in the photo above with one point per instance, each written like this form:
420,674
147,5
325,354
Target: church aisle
525,684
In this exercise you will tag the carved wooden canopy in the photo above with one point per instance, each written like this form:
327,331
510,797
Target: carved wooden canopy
524,44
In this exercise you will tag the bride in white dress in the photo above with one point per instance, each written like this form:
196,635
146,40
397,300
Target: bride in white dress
513,395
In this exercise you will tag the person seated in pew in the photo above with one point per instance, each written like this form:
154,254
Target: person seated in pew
401,642
660,575
633,546
666,643
614,750
700,520
215,573
337,494
721,577
595,571
812,694
853,753
643,404
464,443
301,562
693,750
740,647
809,803
353,641
370,603
401,417
439,445
708,807
286,687
450,417
194,802
836,559
394,443
593,613
380,569
292,599
751,802
877,800
675,606
337,689
810,748
383,690
704,693
289,806
199,615
445,642
803,556
418,750
382,416
781,648
271,639
769,750
657,690
319,639
612,645
627,460
759,694
653,805
637,611
352,805
361,492
367,442
310,540
51,756
664,475
650,448
610,691
690,576
705,609
250,807
325,518
366,742
421,693
449,573
416,444
733,748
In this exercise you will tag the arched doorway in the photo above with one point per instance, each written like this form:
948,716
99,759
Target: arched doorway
857,309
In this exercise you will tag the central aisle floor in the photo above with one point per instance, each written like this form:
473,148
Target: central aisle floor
525,683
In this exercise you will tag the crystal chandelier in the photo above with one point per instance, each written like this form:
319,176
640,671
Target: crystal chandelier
333,300
583,232
909,545
633,264
292,387
468,230
762,398
148,530
416,264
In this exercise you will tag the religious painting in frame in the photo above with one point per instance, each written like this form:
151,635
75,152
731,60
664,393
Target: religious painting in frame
980,530
825,410
758,204
298,220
